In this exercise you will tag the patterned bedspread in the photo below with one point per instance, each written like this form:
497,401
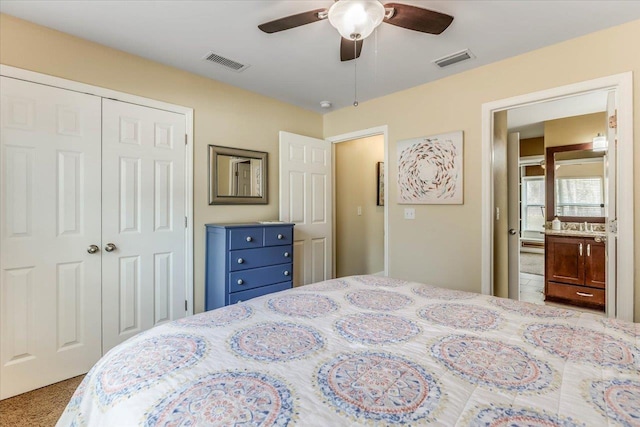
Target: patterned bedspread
370,350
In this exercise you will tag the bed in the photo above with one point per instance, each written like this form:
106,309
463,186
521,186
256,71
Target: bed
369,350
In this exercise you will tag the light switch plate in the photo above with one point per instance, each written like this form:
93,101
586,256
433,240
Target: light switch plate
409,213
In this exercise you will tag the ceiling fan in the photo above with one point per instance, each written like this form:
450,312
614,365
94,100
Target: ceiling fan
355,20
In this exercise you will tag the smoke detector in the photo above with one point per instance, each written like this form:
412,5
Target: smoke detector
325,104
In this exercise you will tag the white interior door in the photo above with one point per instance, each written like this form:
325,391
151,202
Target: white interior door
143,192
305,199
50,215
513,189
611,203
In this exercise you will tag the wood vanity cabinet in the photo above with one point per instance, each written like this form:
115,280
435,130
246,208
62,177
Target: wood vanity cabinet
575,271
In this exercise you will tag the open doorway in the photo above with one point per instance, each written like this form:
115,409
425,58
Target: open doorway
359,160
502,224
561,180
359,219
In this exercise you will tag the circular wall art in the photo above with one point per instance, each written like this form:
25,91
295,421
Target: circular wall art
430,169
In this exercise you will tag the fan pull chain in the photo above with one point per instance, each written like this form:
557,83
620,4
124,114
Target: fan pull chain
355,72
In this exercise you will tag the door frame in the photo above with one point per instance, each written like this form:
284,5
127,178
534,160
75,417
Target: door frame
359,134
45,79
623,307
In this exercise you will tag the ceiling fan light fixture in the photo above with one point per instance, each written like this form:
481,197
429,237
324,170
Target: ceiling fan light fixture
356,19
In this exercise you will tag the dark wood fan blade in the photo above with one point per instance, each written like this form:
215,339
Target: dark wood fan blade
346,49
418,19
293,21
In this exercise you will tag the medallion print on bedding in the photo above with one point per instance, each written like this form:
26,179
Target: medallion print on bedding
302,305
370,328
219,317
494,364
618,399
441,293
529,309
226,399
629,328
378,300
583,345
461,316
380,387
328,285
504,417
276,341
379,281
133,368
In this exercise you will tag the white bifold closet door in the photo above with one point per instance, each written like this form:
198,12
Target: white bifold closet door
50,290
81,171
143,194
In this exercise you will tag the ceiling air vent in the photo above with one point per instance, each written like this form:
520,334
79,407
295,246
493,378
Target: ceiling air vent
445,61
225,62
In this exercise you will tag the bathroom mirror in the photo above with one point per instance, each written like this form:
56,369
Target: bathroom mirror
575,183
236,176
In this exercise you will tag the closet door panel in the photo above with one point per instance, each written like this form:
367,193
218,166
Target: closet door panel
143,185
49,215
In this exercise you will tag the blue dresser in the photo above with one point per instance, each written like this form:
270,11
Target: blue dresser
245,261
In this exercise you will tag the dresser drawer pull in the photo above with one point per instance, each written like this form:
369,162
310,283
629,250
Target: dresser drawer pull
240,260
249,239
286,254
280,237
286,272
584,294
580,248
240,282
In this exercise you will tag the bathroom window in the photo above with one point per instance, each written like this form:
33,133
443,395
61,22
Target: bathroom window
579,196
533,203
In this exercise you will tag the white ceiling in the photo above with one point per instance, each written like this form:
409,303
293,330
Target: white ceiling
301,66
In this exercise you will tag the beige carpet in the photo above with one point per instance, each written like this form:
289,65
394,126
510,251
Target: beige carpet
532,263
38,408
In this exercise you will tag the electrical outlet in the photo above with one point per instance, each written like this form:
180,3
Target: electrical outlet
409,213
359,210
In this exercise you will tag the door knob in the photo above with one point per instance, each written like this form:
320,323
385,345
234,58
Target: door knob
110,247
93,249
513,232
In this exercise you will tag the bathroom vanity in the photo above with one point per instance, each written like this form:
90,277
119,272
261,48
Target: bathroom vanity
575,267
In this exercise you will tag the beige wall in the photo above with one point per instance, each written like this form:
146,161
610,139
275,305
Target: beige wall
224,115
574,130
443,244
359,238
532,147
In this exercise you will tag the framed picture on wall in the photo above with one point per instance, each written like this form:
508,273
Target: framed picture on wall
380,198
430,170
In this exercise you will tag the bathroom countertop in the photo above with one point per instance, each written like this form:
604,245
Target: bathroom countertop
576,233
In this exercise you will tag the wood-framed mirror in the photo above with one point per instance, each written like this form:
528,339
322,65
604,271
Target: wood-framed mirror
575,183
237,176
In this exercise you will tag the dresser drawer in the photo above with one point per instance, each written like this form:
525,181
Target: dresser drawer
278,236
261,257
249,279
581,295
242,238
257,292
